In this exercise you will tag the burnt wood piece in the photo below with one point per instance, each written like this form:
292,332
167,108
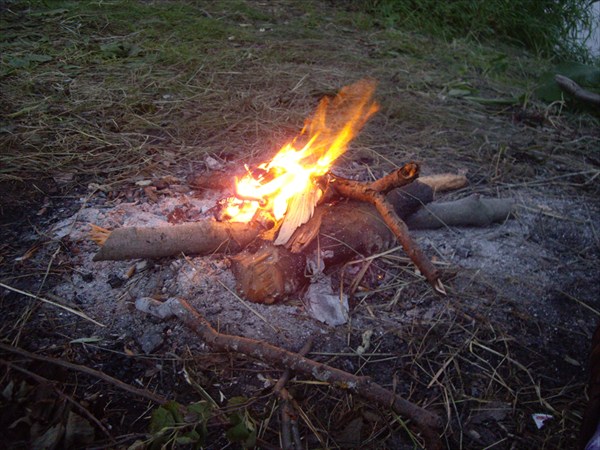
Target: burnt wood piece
268,274
374,193
428,423
473,211
204,237
345,230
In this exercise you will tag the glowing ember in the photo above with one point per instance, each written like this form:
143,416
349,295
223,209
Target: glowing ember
275,185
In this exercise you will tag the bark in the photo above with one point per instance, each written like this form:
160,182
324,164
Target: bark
205,237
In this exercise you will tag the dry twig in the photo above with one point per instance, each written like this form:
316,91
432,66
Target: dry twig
87,370
427,422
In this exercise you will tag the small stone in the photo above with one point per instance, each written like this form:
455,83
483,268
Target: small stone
115,281
150,341
141,266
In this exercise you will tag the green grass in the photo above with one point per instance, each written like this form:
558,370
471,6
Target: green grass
544,27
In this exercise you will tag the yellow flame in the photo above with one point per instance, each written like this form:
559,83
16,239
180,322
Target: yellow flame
291,171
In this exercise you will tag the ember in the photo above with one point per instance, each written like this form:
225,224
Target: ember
286,187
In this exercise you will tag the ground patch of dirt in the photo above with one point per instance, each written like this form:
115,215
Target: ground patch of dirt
518,310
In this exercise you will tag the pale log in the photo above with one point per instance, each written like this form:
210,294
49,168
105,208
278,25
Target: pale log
471,211
198,238
570,87
445,181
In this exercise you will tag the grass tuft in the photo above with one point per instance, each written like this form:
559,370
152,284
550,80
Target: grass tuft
548,28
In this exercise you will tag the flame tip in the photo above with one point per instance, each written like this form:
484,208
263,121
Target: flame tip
328,132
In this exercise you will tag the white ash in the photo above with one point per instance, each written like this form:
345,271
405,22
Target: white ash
515,258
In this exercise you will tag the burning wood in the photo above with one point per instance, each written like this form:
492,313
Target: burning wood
288,187
283,202
345,230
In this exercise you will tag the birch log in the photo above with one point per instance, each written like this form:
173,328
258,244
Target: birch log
204,237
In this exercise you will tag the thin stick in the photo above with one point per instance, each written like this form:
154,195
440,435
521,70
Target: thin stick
156,398
289,423
58,305
426,421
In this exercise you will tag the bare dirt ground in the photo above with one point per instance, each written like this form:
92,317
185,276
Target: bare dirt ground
511,338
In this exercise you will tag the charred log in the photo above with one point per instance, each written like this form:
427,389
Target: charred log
337,233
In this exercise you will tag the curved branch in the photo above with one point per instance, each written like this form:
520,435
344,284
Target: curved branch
428,422
570,87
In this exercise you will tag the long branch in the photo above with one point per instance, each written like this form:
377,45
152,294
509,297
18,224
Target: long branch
426,421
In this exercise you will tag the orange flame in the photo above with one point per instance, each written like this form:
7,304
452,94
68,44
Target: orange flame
292,170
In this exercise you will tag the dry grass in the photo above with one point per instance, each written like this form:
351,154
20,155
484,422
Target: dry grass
130,90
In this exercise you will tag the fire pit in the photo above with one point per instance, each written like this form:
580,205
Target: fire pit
284,205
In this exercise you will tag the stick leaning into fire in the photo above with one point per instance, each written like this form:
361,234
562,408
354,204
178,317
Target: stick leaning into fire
289,200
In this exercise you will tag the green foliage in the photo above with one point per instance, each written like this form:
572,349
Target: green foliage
546,27
175,424
243,430
584,75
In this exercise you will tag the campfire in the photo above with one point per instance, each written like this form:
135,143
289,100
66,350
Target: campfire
288,187
291,218
291,221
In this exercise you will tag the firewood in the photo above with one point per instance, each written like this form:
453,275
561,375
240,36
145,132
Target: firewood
202,238
342,236
472,211
374,193
269,273
445,181
300,209
345,231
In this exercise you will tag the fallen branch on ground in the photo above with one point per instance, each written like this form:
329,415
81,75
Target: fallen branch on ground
570,87
427,422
